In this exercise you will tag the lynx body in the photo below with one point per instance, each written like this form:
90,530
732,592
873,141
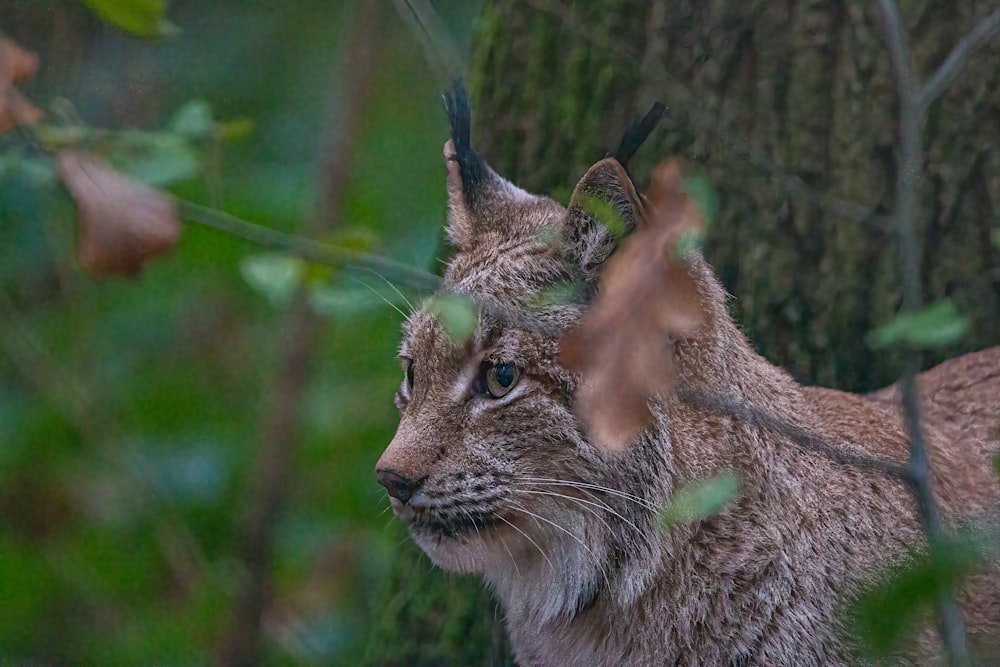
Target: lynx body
494,474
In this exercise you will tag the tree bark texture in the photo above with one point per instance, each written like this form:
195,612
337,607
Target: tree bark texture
788,108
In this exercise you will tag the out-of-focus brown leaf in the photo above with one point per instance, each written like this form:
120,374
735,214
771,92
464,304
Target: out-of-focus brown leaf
16,64
123,224
646,295
15,109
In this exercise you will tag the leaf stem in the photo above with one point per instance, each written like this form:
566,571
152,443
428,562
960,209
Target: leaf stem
308,249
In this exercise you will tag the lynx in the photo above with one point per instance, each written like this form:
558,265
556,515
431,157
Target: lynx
493,473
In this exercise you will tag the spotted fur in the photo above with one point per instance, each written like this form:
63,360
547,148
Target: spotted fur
567,535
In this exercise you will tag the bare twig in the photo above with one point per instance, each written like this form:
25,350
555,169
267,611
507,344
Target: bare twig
910,158
740,409
314,251
428,29
280,427
984,31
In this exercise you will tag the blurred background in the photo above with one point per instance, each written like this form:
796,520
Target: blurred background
134,413
186,458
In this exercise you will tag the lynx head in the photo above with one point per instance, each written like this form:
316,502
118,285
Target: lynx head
490,467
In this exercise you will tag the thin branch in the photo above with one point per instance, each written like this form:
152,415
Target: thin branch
308,249
740,409
910,158
429,29
953,65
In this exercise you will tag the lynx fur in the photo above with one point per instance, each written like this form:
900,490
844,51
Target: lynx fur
567,535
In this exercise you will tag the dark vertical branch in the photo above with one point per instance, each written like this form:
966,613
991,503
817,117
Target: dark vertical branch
910,165
280,433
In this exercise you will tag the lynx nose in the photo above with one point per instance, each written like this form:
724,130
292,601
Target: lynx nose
399,487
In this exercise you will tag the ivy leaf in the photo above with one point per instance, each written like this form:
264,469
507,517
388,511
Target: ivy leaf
936,325
142,18
701,499
885,615
456,313
274,276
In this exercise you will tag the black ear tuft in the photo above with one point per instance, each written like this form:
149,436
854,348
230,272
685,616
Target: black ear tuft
637,133
471,166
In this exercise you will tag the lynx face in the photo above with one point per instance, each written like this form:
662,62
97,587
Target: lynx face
490,468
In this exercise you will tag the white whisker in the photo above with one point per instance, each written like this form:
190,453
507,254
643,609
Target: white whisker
528,537
584,485
379,295
507,549
394,289
537,517
584,504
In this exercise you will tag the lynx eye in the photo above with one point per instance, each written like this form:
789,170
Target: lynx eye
501,378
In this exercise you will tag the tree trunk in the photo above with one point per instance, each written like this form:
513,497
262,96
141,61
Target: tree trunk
789,109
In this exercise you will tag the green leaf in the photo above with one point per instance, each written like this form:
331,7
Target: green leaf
996,464
702,192
701,499
605,214
562,293
160,160
690,242
235,129
885,615
142,18
936,325
996,237
456,313
274,276
193,120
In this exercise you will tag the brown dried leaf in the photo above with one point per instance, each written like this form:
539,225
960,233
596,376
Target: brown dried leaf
17,63
646,296
123,224
15,109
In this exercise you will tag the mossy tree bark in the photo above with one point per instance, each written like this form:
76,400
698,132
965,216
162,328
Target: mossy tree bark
789,109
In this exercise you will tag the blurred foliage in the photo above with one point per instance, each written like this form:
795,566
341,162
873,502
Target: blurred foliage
143,18
700,499
130,410
886,615
935,325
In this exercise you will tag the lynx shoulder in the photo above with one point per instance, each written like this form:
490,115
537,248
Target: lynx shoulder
493,473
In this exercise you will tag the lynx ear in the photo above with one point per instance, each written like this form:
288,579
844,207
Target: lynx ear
604,208
476,193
